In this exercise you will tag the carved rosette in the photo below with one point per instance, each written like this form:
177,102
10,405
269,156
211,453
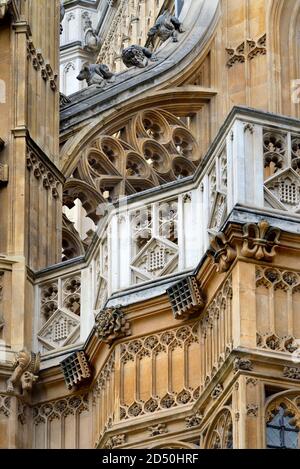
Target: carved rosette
221,252
260,241
111,324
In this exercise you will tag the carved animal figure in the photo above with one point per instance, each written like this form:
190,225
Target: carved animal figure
137,56
96,74
166,26
26,369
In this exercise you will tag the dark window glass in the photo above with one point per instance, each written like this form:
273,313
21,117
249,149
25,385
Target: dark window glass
281,433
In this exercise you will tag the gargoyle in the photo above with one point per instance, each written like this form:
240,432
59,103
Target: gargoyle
96,74
26,369
137,56
166,26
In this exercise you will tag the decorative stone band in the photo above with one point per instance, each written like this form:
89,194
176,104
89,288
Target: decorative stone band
186,298
111,324
260,241
39,64
76,369
292,373
41,172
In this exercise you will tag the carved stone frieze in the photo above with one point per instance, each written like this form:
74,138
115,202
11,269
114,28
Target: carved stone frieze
111,324
271,341
115,441
159,429
38,62
222,252
41,172
247,50
26,370
292,372
260,241
194,420
61,408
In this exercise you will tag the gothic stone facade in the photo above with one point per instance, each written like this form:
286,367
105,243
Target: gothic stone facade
149,267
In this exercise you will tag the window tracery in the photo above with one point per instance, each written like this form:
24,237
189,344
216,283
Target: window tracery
283,422
220,435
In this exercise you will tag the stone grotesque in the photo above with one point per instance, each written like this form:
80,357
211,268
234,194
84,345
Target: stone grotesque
96,74
137,56
166,26
26,369
111,324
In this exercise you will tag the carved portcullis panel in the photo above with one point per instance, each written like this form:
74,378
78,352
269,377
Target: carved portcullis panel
155,241
185,297
277,308
159,372
59,319
282,170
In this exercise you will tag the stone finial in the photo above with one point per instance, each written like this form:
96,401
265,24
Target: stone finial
166,26
222,252
137,56
96,74
260,241
26,370
111,324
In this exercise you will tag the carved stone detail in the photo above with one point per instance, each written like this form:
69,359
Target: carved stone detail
2,322
96,74
221,252
111,324
137,56
5,405
252,410
61,408
41,172
260,241
159,429
39,64
291,373
149,347
186,298
251,381
194,420
243,364
76,369
115,441
166,26
271,341
217,391
247,50
26,370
